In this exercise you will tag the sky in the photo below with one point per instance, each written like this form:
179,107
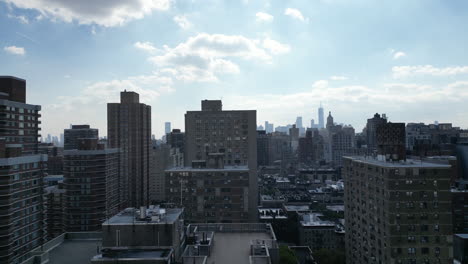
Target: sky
283,58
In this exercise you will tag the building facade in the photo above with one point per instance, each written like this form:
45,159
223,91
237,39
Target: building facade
129,129
73,135
230,134
22,171
210,195
371,130
91,186
397,212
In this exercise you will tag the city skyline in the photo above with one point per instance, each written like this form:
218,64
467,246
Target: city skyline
280,58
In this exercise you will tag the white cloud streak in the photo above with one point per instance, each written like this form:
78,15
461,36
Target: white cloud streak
263,17
15,50
418,70
145,46
338,78
399,54
182,22
21,19
295,13
108,13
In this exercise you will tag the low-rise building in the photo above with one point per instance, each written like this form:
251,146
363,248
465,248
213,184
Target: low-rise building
147,235
317,233
231,244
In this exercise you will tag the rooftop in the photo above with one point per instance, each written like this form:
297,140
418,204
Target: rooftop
70,248
296,208
74,252
267,213
233,248
226,168
409,163
313,219
132,254
463,236
154,215
335,208
232,243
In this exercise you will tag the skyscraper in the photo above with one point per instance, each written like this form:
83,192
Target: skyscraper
129,128
299,122
321,118
268,127
21,174
167,128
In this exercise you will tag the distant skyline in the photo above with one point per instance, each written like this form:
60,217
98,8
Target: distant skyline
282,58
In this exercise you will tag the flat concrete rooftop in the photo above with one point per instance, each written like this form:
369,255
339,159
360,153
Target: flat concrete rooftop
226,168
409,163
74,252
127,217
233,248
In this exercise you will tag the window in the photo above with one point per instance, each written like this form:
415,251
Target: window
411,251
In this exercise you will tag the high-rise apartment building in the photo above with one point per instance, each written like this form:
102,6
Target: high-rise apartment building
21,120
167,128
129,129
310,149
371,130
75,133
263,140
91,185
299,122
21,173
228,137
294,138
269,127
397,212
391,141
321,117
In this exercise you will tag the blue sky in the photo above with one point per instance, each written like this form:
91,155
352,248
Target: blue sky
407,59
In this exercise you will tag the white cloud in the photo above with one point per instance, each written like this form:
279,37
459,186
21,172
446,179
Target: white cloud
145,46
182,21
399,54
320,84
104,13
407,71
263,17
21,19
364,100
295,13
202,57
338,78
275,47
15,50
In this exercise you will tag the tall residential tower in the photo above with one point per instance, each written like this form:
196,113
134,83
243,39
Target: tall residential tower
21,173
129,129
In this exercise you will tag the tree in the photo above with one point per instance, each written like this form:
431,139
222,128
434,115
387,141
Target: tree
325,256
287,256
